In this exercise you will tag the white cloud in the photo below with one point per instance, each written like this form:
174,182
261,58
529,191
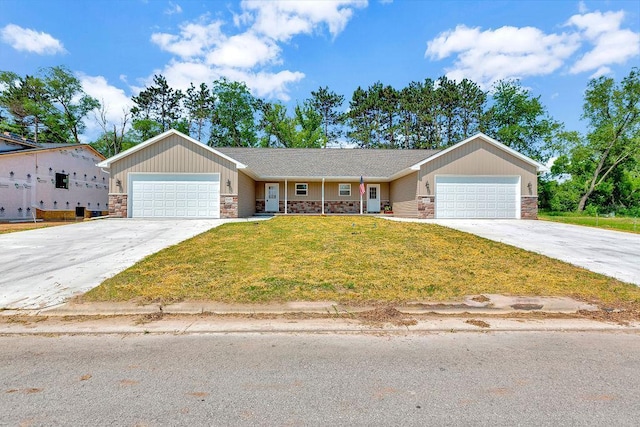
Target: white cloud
173,9
602,71
283,19
486,56
204,52
28,40
507,52
195,39
611,44
113,99
582,7
244,51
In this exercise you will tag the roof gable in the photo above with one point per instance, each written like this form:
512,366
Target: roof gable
107,163
488,139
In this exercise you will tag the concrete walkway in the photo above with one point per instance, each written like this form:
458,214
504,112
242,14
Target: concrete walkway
44,267
612,253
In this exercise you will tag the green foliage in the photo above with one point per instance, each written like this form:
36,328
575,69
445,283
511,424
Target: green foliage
233,118
157,108
327,103
520,121
48,107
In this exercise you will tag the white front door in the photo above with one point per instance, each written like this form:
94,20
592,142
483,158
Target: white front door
272,197
373,197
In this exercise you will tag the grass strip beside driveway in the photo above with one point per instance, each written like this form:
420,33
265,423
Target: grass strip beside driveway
628,224
12,227
349,260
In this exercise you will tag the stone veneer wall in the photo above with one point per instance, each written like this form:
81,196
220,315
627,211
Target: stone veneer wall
229,206
118,205
529,207
315,206
426,207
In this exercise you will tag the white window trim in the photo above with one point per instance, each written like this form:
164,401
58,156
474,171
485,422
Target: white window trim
340,190
298,191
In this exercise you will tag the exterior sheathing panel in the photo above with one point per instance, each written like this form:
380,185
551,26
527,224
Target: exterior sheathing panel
478,158
246,196
403,196
173,154
33,181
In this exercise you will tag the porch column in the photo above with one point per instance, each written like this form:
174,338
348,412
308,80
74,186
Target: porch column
285,196
322,196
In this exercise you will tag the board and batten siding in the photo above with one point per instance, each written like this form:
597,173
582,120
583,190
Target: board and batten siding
478,157
246,196
403,196
172,154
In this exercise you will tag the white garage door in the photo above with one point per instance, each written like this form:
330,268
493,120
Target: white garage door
477,197
174,195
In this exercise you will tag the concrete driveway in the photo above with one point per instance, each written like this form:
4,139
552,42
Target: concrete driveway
613,253
44,267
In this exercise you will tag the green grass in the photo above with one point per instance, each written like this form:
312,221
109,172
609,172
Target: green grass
349,260
612,223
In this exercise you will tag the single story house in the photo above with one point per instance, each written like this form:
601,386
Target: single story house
174,175
50,181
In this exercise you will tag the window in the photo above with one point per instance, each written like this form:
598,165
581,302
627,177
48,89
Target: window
344,189
62,180
302,189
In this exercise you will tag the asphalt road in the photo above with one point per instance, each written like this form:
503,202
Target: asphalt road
538,379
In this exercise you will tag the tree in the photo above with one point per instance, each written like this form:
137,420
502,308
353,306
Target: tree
309,121
233,118
114,138
449,100
327,104
157,108
65,91
278,129
27,102
613,113
520,121
198,102
472,105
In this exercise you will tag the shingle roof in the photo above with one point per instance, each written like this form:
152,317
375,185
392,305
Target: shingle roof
325,163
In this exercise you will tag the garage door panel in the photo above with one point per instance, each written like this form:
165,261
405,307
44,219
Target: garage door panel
477,197
175,196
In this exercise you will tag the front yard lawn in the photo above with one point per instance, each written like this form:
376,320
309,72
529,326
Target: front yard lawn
349,260
12,227
612,223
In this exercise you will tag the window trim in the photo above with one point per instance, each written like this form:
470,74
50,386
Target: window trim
300,191
340,189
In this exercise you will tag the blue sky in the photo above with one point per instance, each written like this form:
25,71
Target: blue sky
285,49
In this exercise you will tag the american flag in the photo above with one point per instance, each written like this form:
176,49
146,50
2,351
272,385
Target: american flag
361,185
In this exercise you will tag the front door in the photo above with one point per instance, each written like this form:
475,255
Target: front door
373,198
272,197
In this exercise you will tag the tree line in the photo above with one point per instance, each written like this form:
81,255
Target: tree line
598,170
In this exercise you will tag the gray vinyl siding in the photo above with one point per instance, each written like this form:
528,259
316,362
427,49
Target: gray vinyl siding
478,158
173,154
403,196
246,196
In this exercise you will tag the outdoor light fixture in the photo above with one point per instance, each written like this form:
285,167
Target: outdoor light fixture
50,169
118,183
41,203
11,174
67,203
530,186
428,189
2,209
229,183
